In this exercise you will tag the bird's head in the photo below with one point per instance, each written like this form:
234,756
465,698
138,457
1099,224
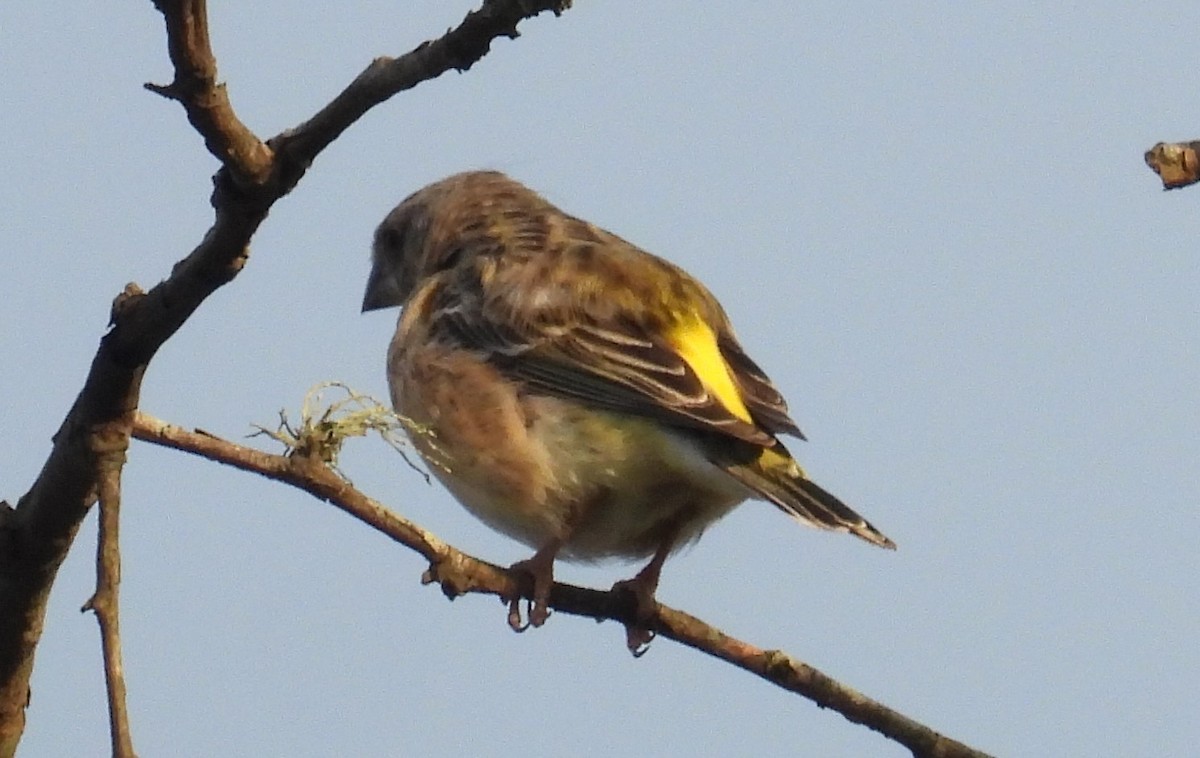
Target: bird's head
435,229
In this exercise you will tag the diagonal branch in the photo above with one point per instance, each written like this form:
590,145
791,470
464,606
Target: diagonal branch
460,574
36,535
458,50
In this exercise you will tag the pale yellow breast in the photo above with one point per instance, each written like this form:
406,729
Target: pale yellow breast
627,483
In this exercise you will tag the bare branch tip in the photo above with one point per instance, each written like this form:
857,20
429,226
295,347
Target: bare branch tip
1177,164
163,90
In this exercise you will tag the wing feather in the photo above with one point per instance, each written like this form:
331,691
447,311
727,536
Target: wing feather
766,405
558,309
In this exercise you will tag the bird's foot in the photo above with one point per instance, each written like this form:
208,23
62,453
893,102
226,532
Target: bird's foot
638,634
541,569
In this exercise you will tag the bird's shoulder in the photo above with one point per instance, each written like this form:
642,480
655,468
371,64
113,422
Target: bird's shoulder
553,269
576,303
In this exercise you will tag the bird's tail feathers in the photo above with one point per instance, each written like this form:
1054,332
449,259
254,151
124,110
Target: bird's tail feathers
777,478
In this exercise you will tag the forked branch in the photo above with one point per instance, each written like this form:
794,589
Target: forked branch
36,535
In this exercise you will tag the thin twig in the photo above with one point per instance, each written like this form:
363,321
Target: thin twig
457,50
459,574
105,603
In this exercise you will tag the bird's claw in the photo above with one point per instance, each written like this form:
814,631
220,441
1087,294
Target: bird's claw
638,634
638,639
514,616
536,613
540,568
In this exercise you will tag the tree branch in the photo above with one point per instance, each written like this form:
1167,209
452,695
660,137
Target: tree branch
459,573
274,168
38,533
105,603
457,50
205,101
1176,163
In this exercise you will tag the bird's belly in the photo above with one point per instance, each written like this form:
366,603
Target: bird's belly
603,484
643,486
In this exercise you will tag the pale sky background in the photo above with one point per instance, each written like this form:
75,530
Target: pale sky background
930,223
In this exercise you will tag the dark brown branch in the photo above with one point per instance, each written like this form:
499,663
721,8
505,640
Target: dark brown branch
14,698
37,534
205,100
1176,163
458,50
42,527
459,574
275,167
105,603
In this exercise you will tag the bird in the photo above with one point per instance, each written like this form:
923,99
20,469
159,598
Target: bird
575,392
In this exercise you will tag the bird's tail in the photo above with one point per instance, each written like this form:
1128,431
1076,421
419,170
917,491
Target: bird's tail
776,476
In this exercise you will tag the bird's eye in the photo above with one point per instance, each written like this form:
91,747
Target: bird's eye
391,237
450,259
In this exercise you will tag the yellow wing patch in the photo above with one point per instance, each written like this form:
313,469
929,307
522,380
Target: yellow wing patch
697,344
776,460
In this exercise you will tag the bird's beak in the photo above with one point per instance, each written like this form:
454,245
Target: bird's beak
381,292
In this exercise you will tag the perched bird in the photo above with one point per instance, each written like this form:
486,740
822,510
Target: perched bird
579,394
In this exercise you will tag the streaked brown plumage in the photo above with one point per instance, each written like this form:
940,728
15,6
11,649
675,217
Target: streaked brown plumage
584,396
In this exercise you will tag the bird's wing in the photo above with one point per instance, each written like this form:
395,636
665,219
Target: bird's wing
591,317
766,405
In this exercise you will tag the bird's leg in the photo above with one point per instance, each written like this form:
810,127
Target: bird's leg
643,586
541,568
